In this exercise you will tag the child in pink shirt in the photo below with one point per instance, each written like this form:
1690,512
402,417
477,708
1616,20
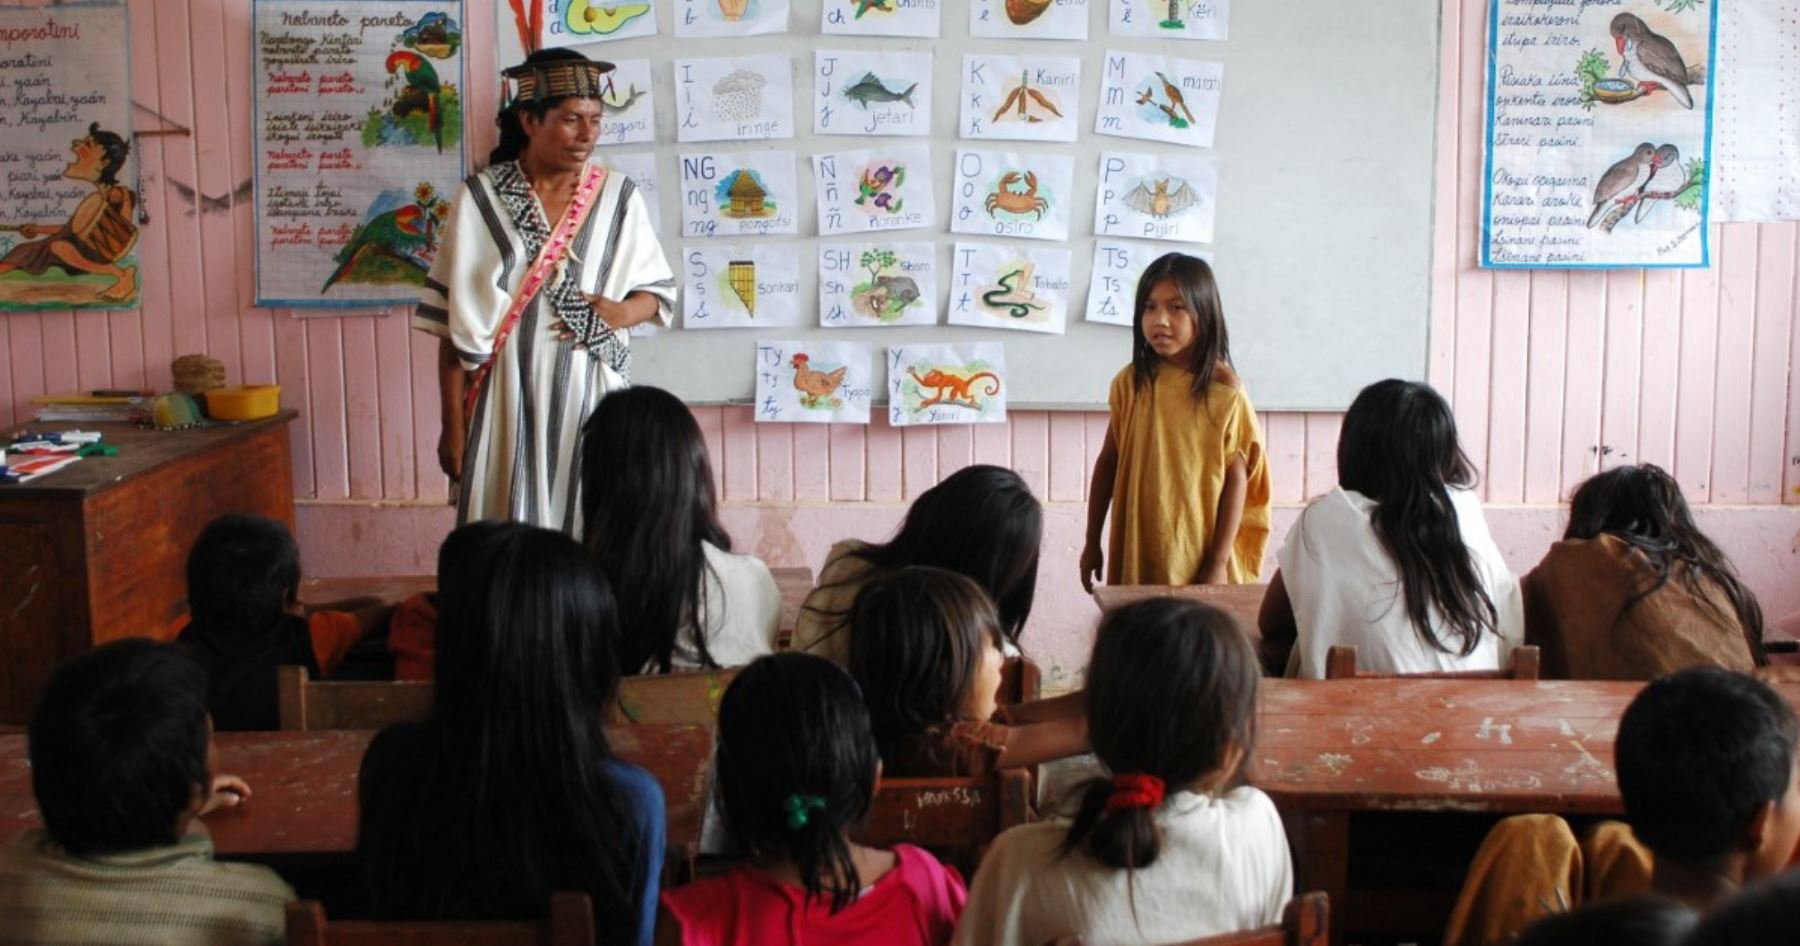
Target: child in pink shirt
797,769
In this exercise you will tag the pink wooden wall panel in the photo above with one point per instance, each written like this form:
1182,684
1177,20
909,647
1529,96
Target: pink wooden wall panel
1552,375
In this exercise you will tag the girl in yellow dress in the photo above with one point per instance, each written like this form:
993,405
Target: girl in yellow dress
1183,467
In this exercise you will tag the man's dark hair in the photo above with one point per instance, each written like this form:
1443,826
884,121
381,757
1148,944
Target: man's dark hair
1699,752
118,746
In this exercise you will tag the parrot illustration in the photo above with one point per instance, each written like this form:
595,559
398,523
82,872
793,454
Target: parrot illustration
404,232
422,93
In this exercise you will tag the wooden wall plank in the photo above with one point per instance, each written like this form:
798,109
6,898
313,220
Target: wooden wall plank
849,468
1031,450
187,277
1508,369
1440,368
294,375
393,361
993,444
1660,379
1731,389
1068,469
1544,386
155,304
1584,380
812,462
1621,373
61,368
215,176
1474,289
1776,304
331,450
430,484
257,341
1321,453
1285,437
362,406
956,448
918,461
93,350
740,455
25,361
774,463
882,461
1698,372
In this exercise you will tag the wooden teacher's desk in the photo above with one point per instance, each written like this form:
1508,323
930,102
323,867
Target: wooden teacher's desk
303,786
98,551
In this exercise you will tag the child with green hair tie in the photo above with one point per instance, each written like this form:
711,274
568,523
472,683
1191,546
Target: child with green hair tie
796,770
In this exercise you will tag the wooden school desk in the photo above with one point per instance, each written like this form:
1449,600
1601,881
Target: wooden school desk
98,551
1327,750
1240,601
303,786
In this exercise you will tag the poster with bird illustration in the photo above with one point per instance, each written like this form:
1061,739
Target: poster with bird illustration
1599,136
1015,287
358,128
1156,197
871,92
1159,98
1169,19
946,384
814,382
1020,98
742,286
881,18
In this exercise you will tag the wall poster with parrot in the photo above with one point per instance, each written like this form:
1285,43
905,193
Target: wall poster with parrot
1599,138
359,147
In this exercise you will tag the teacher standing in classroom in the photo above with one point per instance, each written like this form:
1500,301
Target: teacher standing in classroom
545,263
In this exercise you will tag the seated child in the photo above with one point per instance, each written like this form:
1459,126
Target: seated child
120,754
1397,561
1768,912
243,574
925,646
797,770
1707,772
1635,589
981,522
1173,846
508,791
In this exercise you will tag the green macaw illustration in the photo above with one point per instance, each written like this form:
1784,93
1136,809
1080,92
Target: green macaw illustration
423,91
404,233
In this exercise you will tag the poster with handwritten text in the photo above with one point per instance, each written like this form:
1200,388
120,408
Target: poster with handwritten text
1599,135
1028,19
1156,197
732,194
1159,98
68,225
1013,194
358,127
744,286
872,285
1021,98
947,384
628,107
875,190
734,98
574,22
722,18
1015,287
814,382
1112,293
871,92
920,18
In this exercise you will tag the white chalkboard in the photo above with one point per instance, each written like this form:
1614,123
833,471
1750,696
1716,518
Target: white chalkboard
1325,143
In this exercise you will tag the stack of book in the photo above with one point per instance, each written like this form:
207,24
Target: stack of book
94,407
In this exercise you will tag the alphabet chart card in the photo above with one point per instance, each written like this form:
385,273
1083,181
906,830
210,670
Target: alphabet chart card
865,92
580,22
748,193
947,384
628,109
745,286
922,18
1014,287
1021,98
869,285
1013,194
1028,19
875,189
734,98
1112,295
1154,197
1159,98
814,382
730,17
1169,19
641,168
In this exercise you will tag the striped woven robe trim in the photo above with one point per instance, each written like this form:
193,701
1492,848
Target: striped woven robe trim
522,460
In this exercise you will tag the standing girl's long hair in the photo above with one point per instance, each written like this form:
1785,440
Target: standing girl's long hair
1643,506
521,805
796,768
1398,447
917,640
981,522
647,498
1193,278
1172,696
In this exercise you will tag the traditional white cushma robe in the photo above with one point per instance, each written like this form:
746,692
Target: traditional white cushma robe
522,461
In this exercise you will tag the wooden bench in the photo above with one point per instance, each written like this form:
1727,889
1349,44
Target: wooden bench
307,704
1242,602
1305,922
571,923
1340,664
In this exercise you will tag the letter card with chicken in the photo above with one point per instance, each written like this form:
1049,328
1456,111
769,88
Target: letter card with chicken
814,382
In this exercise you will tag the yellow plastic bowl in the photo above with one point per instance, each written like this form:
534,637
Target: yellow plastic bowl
250,402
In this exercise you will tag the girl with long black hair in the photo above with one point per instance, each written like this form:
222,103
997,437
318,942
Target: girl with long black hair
1397,560
685,601
1635,590
508,791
